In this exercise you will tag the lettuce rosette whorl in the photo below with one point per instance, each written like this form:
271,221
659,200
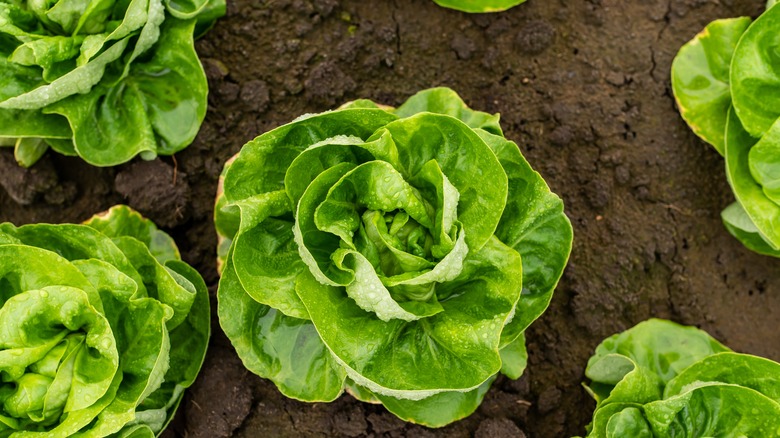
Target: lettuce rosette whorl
400,253
102,327
102,79
660,379
727,85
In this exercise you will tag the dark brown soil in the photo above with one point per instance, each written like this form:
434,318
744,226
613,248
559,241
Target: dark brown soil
582,86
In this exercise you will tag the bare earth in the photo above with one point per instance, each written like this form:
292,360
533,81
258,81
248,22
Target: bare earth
582,87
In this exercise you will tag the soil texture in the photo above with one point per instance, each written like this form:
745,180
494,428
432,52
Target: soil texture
582,86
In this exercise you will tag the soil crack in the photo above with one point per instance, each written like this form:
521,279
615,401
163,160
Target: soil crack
397,23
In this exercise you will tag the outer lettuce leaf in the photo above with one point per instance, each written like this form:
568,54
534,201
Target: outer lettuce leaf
208,15
30,131
700,79
380,243
739,224
120,221
29,150
435,411
115,351
284,349
534,224
479,5
514,357
189,341
762,211
755,75
445,101
440,409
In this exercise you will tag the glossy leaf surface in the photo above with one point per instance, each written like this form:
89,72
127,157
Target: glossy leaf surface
390,246
726,81
700,78
479,5
660,379
97,332
104,80
755,74
762,211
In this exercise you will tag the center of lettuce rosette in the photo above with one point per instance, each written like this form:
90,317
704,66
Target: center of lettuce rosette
381,217
58,355
396,233
387,236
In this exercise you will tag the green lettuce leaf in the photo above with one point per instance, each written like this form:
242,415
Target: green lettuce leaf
97,337
725,82
762,211
700,79
660,379
479,5
402,251
103,80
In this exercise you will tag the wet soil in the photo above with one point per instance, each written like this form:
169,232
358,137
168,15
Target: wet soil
582,87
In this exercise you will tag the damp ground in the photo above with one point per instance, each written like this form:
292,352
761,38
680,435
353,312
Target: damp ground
583,88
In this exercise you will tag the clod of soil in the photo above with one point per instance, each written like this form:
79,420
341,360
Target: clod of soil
25,186
498,428
157,190
534,37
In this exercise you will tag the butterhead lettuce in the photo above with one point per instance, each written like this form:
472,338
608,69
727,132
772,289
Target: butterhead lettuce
726,82
102,79
660,379
397,253
102,328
